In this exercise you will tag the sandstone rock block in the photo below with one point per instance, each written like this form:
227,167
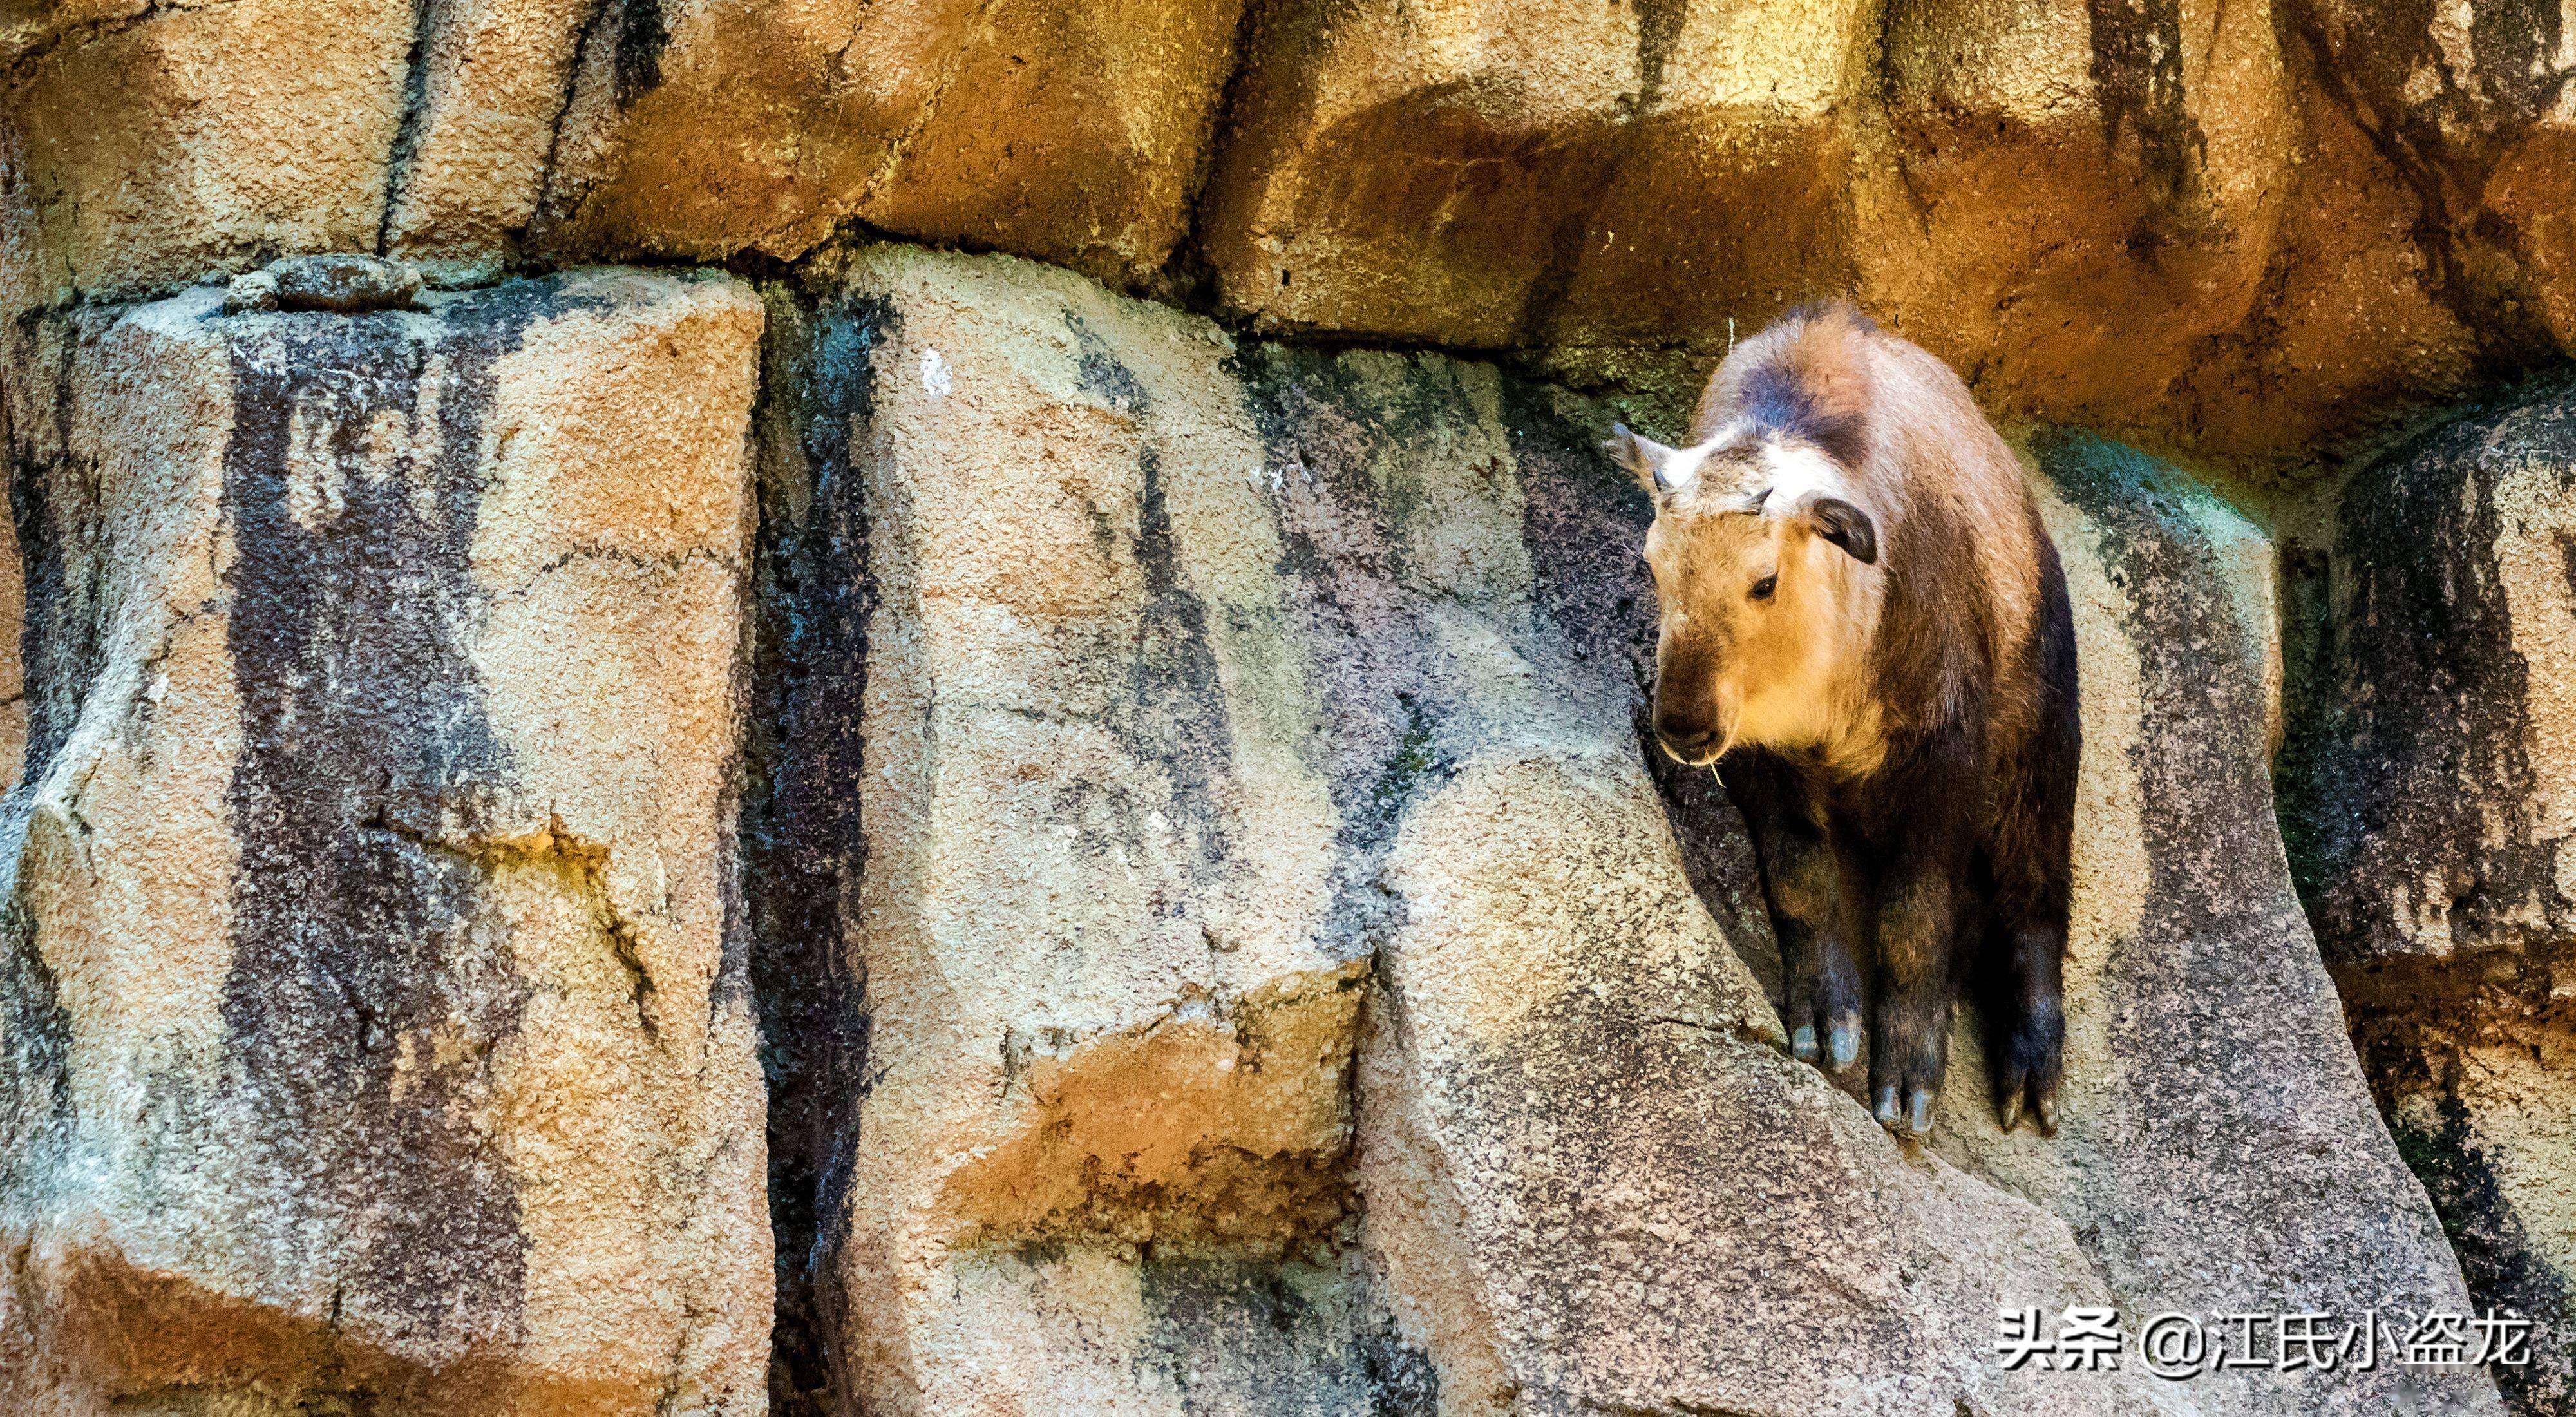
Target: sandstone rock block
1073,133
140,145
2473,111
2072,198
2214,1109
488,85
2432,799
374,1032
1495,175
1101,1015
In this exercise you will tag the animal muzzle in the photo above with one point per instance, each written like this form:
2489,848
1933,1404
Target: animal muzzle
1688,738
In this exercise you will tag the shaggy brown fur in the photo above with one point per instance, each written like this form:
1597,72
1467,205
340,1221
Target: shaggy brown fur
1863,615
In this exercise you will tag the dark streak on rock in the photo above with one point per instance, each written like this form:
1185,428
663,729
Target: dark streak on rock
643,32
2416,689
1174,712
2368,56
553,207
53,493
2498,1258
1284,1339
424,17
804,847
1354,605
1659,29
2138,81
1100,373
367,987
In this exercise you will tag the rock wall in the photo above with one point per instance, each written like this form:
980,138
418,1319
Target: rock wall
1134,732
2235,229
2432,816
375,1003
1260,884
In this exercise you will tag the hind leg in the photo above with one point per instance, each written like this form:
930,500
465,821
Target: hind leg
2026,1017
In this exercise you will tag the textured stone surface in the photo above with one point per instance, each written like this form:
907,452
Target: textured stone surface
1217,945
1073,133
2071,197
483,103
1212,691
2219,1151
1491,175
142,144
2430,802
343,284
375,1025
2238,229
1103,1020
2432,799
2473,110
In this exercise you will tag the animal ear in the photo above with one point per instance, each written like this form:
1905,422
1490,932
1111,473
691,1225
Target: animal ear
1646,460
1845,526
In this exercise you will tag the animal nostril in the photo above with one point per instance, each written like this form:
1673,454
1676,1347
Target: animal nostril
1680,732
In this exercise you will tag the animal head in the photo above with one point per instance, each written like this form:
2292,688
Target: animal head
1768,584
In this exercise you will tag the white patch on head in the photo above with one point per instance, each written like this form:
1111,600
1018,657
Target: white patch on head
1797,476
1682,468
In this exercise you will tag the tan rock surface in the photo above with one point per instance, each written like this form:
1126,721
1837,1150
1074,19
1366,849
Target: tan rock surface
1100,1012
488,85
2235,230
1073,133
375,1033
2069,200
141,145
1489,175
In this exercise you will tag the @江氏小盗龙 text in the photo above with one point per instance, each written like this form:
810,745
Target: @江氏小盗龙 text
2178,1345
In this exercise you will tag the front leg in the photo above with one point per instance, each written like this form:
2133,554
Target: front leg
1920,898
1807,882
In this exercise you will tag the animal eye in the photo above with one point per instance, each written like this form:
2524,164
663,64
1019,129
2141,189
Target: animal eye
1762,588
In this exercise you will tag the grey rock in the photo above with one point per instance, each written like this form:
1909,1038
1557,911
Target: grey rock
344,284
253,292
370,1034
2428,795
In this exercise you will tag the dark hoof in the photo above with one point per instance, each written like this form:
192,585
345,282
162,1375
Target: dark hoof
2027,1068
1843,1045
2031,1097
1888,1116
1802,1043
1918,1118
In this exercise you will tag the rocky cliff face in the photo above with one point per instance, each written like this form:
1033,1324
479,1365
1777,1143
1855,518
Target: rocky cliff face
2432,816
376,1008
813,821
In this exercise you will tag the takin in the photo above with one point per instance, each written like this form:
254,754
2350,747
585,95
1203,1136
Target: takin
1862,614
